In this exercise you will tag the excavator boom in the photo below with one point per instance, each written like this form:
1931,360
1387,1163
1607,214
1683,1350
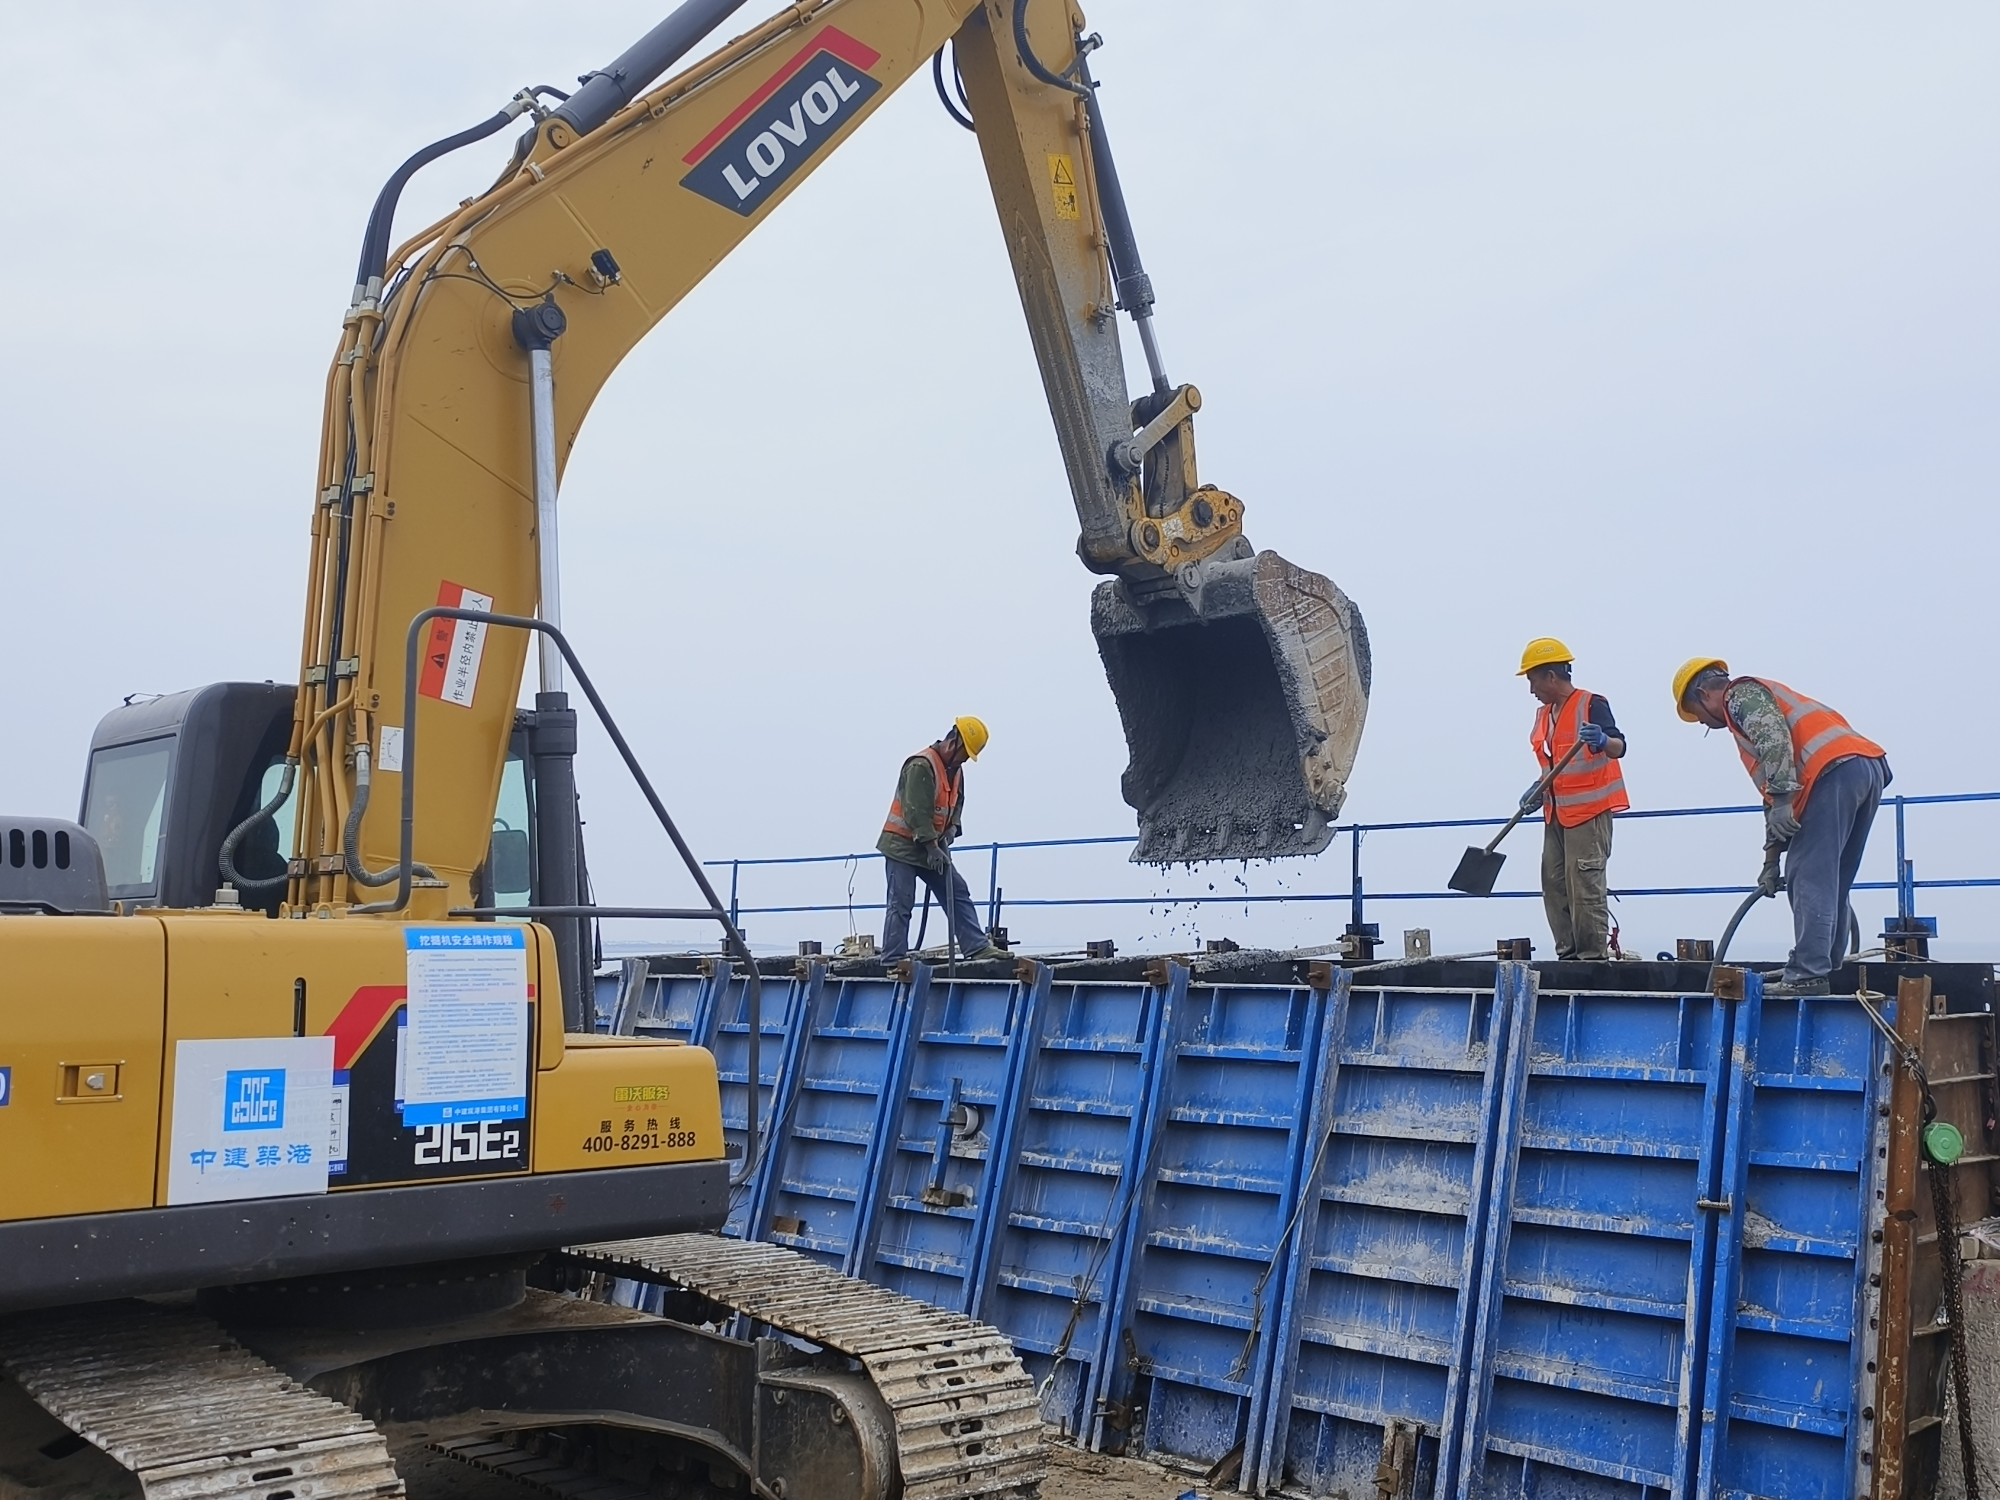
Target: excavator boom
472,354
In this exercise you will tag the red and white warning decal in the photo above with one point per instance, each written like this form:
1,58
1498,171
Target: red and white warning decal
451,660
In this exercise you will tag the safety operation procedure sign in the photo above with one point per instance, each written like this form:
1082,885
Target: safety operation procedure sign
465,1046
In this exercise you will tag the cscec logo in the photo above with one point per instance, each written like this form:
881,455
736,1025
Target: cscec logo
254,1099
785,123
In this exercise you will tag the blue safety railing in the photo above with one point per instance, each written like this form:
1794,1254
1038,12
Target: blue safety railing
1357,895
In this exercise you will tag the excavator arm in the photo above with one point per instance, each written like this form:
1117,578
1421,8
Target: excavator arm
1241,681
472,353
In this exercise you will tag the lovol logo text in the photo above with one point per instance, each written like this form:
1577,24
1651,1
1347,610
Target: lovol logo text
781,126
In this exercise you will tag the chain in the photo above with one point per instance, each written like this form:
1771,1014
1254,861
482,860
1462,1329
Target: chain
1954,1306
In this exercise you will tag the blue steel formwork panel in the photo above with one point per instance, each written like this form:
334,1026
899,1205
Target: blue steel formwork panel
934,1186
671,1005
1376,1320
1071,1186
1789,1341
834,1115
1592,1299
1537,1230
1221,1159
727,1035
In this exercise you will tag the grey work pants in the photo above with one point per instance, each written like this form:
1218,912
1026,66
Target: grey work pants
1575,893
902,901
1824,856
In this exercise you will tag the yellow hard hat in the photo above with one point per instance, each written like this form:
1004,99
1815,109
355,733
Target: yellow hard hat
1543,651
971,734
1692,668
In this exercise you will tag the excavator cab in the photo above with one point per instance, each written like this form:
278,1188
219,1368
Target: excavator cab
169,777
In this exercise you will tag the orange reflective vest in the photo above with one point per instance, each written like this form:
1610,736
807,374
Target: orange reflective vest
943,813
1819,738
1588,786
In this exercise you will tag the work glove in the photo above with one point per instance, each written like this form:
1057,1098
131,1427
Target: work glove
936,858
1781,824
1593,735
1531,799
1768,880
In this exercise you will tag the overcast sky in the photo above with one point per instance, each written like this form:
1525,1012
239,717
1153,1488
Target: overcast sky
1663,329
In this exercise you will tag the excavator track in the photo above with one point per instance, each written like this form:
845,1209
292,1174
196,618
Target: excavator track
188,1411
967,1419
522,1465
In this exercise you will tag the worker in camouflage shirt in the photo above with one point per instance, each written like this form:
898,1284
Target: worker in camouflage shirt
1821,782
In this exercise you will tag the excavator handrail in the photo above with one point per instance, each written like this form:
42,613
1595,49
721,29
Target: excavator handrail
716,911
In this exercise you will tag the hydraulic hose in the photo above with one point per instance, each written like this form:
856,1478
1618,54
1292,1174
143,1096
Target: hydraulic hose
963,115
226,860
1722,946
1742,911
382,220
350,839
1033,63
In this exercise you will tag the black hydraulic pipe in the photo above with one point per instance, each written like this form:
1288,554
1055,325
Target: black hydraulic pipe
1035,66
622,80
1729,932
552,743
226,859
382,221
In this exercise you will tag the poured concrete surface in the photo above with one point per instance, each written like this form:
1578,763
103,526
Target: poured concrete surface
1076,1475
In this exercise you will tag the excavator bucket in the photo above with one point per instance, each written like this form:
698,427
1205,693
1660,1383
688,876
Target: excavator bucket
1242,709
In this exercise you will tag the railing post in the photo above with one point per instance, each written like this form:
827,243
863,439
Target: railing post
1906,896
735,868
993,889
1355,898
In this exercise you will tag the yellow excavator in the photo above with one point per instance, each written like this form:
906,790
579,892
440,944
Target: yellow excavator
305,1133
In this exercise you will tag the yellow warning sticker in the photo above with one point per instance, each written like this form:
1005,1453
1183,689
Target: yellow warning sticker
1062,185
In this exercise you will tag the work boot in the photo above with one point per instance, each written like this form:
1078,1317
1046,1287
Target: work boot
1798,987
989,951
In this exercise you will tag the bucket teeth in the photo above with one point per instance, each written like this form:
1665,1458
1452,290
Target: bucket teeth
1243,701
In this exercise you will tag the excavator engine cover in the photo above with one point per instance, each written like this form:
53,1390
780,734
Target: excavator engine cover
1242,700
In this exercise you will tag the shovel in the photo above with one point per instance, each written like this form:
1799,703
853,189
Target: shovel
1478,869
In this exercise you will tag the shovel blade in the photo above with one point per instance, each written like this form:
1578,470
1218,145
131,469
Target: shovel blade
1477,872
1242,704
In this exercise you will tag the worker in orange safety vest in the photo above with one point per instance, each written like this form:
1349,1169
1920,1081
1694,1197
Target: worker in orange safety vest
1578,805
1821,781
916,840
